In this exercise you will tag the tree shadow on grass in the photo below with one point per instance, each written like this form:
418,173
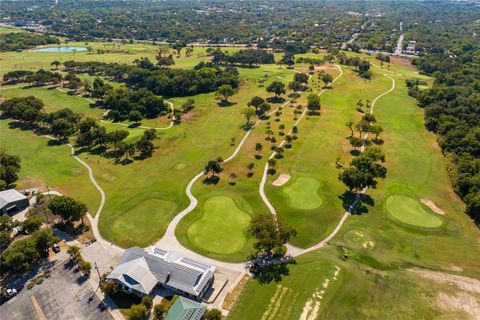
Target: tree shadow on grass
354,206
211,180
275,100
225,103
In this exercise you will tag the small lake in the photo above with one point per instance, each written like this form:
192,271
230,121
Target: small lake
61,49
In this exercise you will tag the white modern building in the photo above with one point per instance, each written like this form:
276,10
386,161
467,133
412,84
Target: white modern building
140,270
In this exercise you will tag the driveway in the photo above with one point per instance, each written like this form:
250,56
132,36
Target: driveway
62,296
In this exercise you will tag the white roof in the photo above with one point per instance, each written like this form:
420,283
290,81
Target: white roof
135,274
9,196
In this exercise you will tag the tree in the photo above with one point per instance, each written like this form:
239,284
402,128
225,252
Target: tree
376,129
349,124
255,102
68,208
85,266
313,103
269,262
73,252
135,116
137,312
232,176
258,148
362,173
147,302
374,153
62,129
31,224
276,87
9,168
248,112
213,314
213,167
145,146
225,91
327,79
301,77
355,142
295,86
56,64
159,311
250,167
5,240
362,126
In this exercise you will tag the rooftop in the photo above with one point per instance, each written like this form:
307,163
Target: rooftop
9,196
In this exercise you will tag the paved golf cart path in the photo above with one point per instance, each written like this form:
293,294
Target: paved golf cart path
170,242
295,251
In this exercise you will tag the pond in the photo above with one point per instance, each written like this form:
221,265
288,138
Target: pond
61,49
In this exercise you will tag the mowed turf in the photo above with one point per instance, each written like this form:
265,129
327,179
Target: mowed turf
222,228
47,165
312,291
303,193
146,216
410,211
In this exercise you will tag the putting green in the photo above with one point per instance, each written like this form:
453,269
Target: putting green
410,211
222,227
302,193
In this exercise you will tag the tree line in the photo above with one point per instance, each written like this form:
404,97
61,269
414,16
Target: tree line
63,124
248,57
452,111
18,41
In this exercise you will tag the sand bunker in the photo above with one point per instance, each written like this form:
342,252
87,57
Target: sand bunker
281,180
429,203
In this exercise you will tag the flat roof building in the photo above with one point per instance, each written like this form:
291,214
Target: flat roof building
140,270
12,201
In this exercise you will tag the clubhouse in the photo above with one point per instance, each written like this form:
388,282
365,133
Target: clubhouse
139,271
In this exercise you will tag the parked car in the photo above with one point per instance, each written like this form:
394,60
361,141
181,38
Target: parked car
11,293
56,248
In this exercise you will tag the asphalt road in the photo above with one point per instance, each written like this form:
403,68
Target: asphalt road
62,296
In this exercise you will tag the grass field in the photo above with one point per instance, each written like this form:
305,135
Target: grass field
410,211
222,228
302,193
312,291
373,283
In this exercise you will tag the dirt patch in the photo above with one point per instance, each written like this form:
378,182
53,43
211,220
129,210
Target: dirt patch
463,283
429,203
402,62
232,296
281,180
460,301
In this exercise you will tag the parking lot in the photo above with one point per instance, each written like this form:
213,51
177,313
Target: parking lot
65,295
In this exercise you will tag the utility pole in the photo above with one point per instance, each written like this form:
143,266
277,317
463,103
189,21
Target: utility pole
49,196
99,277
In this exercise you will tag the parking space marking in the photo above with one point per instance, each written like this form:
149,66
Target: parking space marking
38,310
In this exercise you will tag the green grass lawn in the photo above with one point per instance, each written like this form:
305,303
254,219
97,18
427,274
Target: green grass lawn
312,291
222,228
45,165
410,211
302,193
373,283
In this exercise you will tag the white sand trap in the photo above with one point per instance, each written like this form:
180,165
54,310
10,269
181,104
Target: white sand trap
429,203
281,180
